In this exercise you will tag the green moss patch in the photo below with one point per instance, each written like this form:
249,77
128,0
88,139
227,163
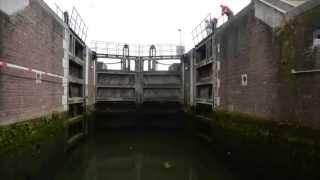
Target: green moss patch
253,126
268,148
28,133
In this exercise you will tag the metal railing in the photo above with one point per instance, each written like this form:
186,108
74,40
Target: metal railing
200,31
116,48
59,11
77,24
204,28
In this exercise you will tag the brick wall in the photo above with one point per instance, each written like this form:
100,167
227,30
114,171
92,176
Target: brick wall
31,38
247,49
299,95
250,47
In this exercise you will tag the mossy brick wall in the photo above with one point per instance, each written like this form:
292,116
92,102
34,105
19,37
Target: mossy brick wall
247,48
299,95
267,56
258,148
27,146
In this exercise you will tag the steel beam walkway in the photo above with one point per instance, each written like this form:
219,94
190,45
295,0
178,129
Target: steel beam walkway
115,56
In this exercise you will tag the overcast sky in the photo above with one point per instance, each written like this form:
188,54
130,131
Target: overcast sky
145,21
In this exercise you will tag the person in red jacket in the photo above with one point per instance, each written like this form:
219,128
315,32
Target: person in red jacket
226,11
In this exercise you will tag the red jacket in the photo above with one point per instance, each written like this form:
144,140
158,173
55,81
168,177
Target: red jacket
225,10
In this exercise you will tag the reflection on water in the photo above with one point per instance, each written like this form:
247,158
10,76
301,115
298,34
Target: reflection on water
139,156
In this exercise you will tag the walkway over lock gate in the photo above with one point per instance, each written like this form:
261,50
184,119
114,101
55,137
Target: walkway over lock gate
139,79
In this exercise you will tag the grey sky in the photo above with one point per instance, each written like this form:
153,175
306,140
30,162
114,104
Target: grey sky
145,21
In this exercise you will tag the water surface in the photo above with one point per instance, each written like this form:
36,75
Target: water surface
141,155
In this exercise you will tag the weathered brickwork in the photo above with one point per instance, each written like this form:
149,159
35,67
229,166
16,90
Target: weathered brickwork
299,95
31,38
247,49
267,57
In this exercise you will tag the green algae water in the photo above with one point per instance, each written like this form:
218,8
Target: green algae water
129,155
